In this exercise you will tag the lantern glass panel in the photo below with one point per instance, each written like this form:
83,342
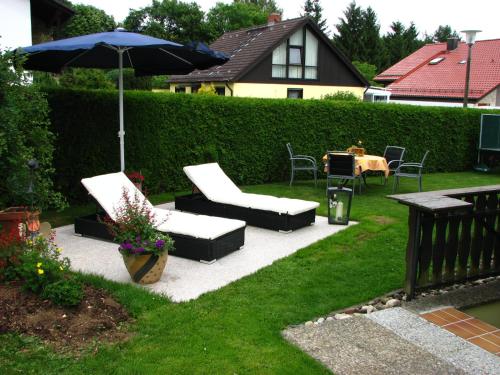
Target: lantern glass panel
339,205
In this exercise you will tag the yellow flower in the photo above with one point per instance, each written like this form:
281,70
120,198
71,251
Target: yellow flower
40,271
39,264
60,267
59,250
29,242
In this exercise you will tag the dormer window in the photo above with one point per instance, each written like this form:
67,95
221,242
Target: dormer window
297,57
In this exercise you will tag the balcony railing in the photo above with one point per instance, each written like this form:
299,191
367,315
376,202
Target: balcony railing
453,235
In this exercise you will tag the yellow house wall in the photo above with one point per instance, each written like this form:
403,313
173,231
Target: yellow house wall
261,90
266,90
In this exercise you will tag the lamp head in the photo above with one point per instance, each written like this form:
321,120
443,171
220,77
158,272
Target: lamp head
470,36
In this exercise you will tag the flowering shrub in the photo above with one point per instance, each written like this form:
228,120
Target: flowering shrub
134,228
11,244
37,264
135,177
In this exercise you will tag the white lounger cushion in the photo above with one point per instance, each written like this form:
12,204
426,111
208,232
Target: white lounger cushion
108,189
217,187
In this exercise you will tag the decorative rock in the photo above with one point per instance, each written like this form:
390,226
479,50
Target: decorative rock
329,319
368,309
351,311
477,282
385,299
342,316
320,320
380,306
393,303
405,297
358,314
309,323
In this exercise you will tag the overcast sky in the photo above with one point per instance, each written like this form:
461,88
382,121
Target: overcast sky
426,14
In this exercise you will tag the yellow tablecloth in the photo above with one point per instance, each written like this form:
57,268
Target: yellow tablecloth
367,163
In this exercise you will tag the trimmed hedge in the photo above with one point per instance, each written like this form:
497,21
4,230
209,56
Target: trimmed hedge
165,132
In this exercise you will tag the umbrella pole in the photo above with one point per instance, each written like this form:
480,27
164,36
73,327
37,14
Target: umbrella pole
121,133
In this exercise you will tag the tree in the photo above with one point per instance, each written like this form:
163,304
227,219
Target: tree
359,35
400,42
267,6
169,19
368,71
228,17
349,30
80,78
130,81
313,9
371,43
442,34
87,20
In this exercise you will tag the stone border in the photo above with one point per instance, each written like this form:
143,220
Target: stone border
398,298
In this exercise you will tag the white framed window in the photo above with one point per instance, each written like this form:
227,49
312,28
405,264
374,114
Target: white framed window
296,58
279,61
311,63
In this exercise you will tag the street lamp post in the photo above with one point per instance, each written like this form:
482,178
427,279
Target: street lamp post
470,38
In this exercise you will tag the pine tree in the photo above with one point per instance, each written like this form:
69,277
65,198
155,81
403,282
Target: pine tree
370,39
442,34
400,42
349,31
313,9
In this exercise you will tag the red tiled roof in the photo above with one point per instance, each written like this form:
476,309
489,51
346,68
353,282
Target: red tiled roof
447,78
244,47
410,62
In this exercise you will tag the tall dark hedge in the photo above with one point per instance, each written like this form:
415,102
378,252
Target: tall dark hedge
165,132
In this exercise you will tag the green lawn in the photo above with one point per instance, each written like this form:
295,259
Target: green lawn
236,330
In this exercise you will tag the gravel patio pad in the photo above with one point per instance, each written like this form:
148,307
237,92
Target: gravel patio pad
185,279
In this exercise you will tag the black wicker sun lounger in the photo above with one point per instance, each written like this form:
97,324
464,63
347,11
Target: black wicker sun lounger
219,196
198,237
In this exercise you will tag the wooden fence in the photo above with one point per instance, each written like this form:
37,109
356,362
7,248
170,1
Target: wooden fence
454,235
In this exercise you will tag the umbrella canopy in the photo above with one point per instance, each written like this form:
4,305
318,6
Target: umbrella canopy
120,49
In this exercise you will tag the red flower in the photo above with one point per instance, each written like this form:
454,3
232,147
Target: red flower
135,176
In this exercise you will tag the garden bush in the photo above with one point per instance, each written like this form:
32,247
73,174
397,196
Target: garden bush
165,132
24,135
38,265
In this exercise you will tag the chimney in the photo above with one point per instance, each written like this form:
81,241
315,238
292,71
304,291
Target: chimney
273,18
451,44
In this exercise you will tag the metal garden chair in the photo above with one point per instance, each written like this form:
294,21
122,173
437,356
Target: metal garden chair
301,163
410,170
341,166
394,156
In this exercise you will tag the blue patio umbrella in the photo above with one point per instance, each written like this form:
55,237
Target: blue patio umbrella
121,49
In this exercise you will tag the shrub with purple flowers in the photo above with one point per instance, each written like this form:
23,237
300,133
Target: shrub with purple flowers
134,228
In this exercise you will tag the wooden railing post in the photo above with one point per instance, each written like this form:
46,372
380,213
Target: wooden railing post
464,244
412,251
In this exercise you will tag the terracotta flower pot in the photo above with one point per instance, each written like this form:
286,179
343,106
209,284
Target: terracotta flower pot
145,268
10,218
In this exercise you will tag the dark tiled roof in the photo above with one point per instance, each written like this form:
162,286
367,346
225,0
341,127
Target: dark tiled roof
245,47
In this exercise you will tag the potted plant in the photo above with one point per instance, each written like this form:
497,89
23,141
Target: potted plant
144,249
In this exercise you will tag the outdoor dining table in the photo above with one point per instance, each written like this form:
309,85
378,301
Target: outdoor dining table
367,163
